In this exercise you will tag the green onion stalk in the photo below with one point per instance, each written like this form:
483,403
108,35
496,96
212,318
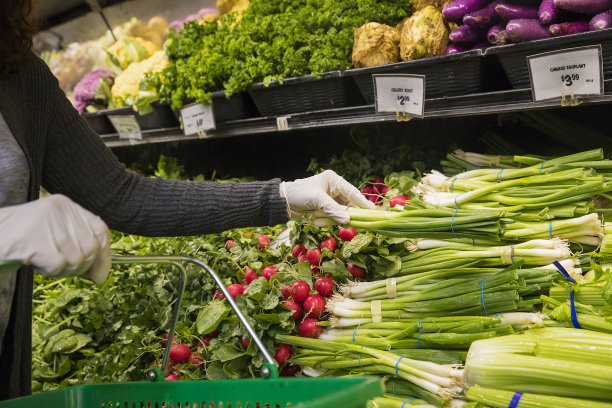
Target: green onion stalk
583,230
391,401
485,160
442,380
560,362
606,243
501,399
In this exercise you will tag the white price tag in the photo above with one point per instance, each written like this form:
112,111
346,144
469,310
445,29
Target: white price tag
197,118
400,93
282,123
571,72
127,126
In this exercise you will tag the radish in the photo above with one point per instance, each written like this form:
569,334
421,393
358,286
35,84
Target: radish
218,295
172,377
298,250
308,328
235,289
282,354
314,306
356,271
601,21
369,193
314,256
179,353
214,334
250,275
245,291
229,244
264,241
295,306
329,243
346,234
286,291
206,342
165,340
268,272
302,258
300,291
245,342
526,30
399,200
197,360
315,271
324,286
290,370
590,7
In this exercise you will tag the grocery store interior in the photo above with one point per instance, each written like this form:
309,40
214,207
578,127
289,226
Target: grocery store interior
471,266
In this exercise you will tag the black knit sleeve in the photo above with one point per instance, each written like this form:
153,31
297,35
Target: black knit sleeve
79,165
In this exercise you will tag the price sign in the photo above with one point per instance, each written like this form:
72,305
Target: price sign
574,71
127,126
399,93
197,118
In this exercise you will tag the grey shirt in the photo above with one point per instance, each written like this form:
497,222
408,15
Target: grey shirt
14,182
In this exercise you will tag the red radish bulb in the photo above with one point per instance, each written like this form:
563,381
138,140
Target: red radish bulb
399,200
235,289
245,290
324,286
286,291
206,341
172,377
295,306
308,328
179,353
218,295
329,243
282,354
290,370
346,234
314,256
165,340
213,334
302,258
298,250
356,271
268,272
314,306
300,291
264,241
245,342
250,275
229,244
315,271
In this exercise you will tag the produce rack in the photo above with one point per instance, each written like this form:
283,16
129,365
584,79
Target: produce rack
492,81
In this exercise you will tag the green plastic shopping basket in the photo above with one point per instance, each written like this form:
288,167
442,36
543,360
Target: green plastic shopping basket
267,392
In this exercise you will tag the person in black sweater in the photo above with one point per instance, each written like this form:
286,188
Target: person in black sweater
45,142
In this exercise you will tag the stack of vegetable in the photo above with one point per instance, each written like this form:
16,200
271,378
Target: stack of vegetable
484,22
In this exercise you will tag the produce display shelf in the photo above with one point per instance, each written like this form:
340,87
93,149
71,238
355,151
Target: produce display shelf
456,106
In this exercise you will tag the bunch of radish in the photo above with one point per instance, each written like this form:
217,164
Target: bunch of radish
181,353
376,191
484,22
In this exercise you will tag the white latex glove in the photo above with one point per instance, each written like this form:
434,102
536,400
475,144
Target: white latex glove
324,196
57,236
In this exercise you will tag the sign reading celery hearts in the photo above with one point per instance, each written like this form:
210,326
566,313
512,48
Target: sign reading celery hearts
126,126
566,73
197,118
399,93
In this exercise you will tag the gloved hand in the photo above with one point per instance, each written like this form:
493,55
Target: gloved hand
57,236
324,196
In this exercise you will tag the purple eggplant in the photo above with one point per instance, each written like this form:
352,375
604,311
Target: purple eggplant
497,35
590,7
453,49
573,27
464,35
483,18
514,11
530,3
548,13
601,21
456,10
526,30
480,45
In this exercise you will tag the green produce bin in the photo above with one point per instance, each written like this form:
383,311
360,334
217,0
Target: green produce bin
267,392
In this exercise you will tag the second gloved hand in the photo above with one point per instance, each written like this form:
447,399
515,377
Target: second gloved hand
57,236
324,196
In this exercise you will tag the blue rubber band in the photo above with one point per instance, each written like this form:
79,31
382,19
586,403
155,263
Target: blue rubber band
456,197
407,401
499,176
473,243
355,333
563,271
512,253
482,294
347,207
573,312
396,364
515,400
550,229
394,394
452,218
359,360
540,172
452,184
420,330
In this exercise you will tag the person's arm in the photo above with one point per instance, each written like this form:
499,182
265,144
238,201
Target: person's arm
79,165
